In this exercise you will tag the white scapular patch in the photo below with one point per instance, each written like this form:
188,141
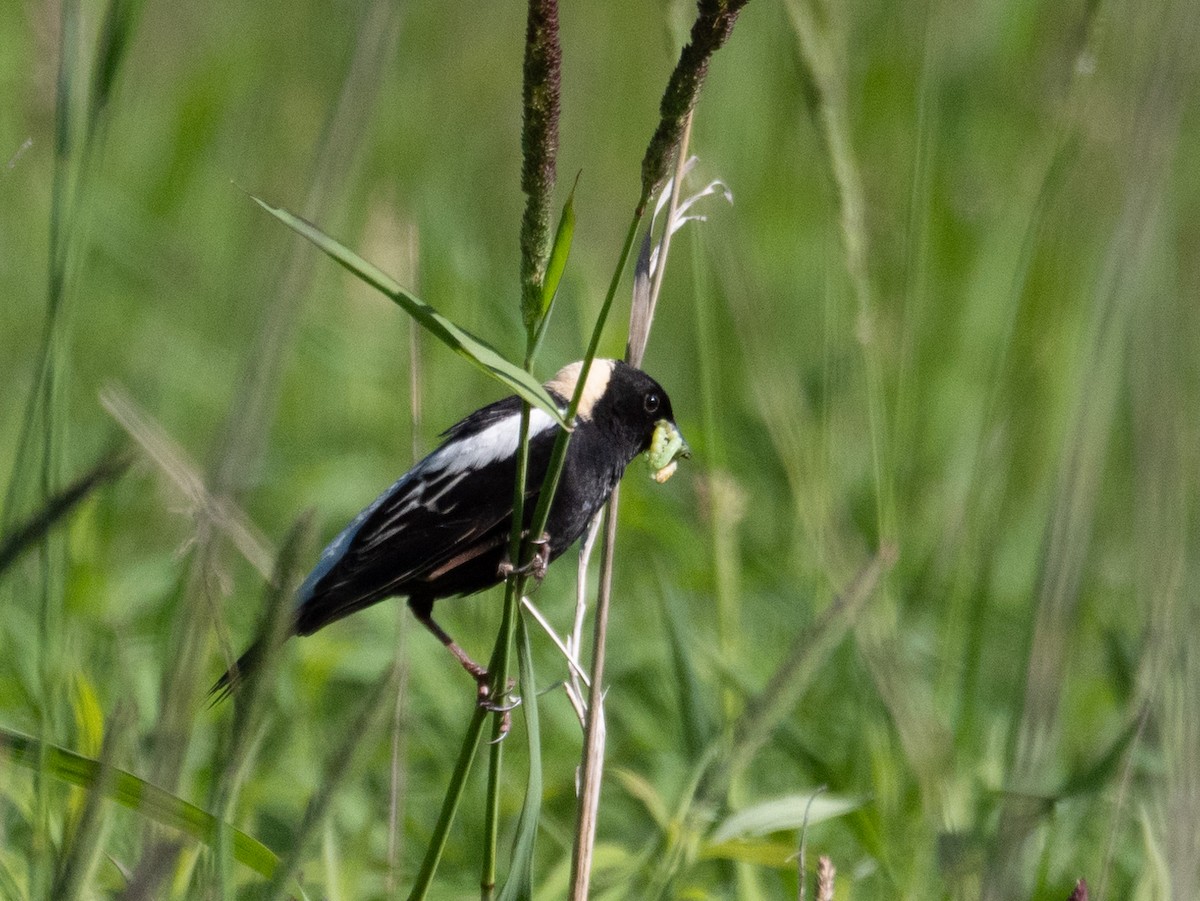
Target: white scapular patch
567,378
496,442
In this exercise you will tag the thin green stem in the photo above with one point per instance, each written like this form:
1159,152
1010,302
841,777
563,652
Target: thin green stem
441,829
499,659
558,456
44,412
499,665
539,142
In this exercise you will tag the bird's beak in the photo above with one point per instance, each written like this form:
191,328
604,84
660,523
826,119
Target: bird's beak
667,447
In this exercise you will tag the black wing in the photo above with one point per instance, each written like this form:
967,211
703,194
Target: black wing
422,534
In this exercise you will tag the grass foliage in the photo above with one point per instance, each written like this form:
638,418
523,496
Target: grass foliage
925,594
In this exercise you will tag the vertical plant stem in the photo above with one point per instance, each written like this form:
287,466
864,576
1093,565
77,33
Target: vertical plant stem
518,885
574,644
541,89
712,28
499,665
399,779
43,426
539,141
592,768
454,792
470,743
43,398
820,49
635,350
595,731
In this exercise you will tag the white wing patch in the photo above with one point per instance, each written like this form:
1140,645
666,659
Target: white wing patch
497,442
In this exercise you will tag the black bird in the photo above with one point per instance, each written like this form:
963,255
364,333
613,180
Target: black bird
442,528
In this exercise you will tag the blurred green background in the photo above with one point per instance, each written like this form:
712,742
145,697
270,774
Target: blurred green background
951,312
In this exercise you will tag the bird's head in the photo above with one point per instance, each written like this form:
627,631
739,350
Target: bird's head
629,406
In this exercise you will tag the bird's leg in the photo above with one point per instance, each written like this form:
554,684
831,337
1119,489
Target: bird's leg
424,614
423,611
536,567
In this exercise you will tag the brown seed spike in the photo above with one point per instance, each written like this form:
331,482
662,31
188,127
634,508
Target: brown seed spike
539,142
713,25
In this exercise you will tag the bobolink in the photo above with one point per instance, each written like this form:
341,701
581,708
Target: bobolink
442,528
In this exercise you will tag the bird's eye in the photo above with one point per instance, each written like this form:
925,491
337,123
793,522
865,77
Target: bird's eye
651,402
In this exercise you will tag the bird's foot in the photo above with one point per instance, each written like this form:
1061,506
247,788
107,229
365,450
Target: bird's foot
541,557
505,701
503,705
536,567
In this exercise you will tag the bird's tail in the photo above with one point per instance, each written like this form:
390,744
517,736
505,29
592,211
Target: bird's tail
233,678
279,622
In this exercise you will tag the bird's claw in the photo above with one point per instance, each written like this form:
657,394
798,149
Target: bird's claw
510,702
536,567
504,706
541,557
485,693
505,728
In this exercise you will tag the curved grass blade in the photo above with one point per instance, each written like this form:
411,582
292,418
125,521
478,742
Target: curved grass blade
785,812
138,795
83,851
519,885
556,266
466,345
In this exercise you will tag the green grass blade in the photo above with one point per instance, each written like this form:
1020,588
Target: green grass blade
809,653
694,713
116,32
441,829
1096,775
466,345
80,858
250,713
559,253
336,768
786,812
556,267
136,794
519,884
57,508
9,889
